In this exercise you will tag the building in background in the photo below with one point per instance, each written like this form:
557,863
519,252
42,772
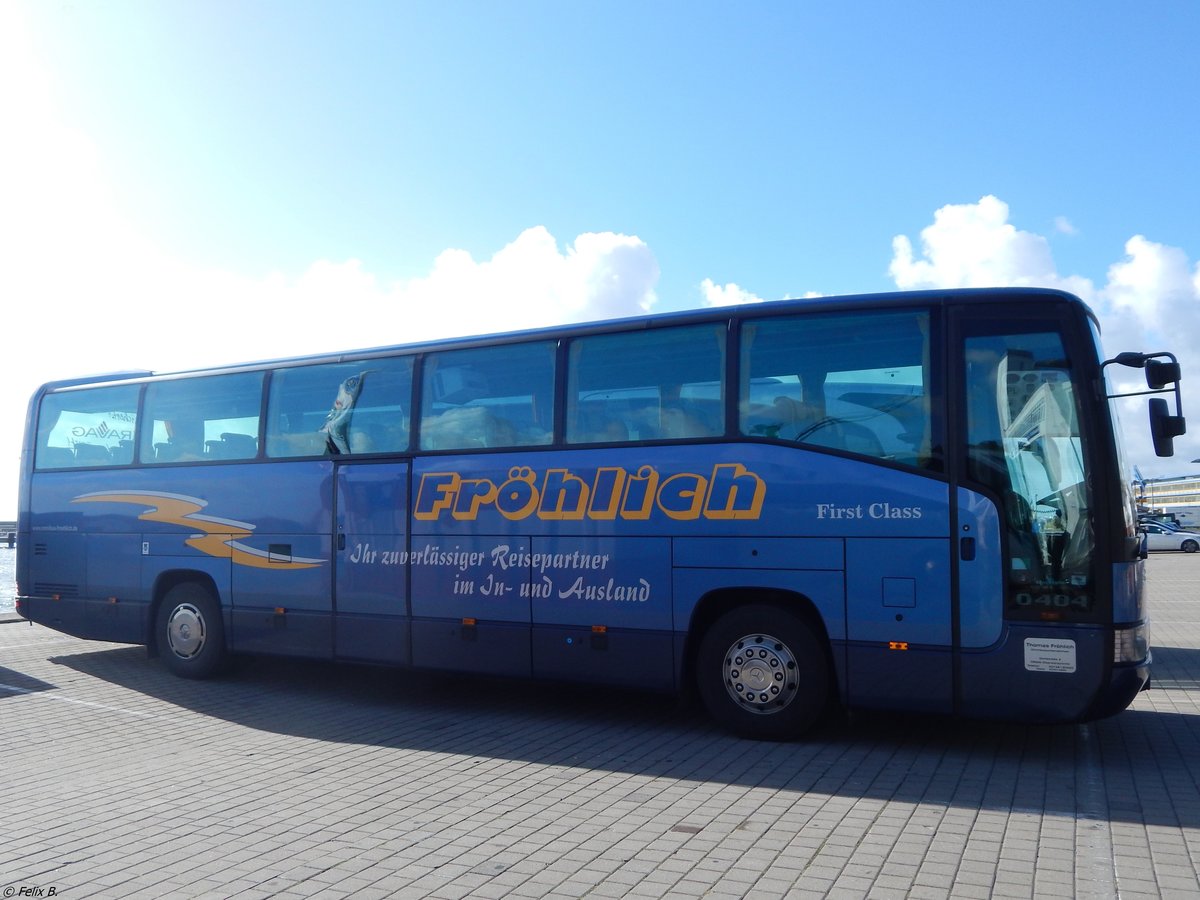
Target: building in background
1177,496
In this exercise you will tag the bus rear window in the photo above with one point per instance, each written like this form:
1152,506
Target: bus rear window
87,428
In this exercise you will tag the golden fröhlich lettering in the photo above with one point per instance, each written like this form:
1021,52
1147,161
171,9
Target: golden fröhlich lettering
729,491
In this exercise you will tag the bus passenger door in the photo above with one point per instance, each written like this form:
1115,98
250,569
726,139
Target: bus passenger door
1026,567
371,565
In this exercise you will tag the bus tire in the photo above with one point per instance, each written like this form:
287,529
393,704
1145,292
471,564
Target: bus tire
190,632
763,673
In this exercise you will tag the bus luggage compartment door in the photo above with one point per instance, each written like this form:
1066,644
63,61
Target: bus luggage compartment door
898,624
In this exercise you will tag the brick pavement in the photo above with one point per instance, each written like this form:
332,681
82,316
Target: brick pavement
288,779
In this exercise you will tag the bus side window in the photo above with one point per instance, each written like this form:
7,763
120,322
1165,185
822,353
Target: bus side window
340,408
185,416
858,383
643,385
490,397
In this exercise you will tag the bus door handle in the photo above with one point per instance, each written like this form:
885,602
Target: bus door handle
341,541
966,549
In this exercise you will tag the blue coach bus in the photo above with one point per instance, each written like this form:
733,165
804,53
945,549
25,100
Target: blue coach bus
912,502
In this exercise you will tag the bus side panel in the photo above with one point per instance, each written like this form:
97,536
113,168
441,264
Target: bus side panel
116,603
57,585
284,605
898,590
602,610
455,578
470,614
916,679
898,609
492,648
637,659
615,582
1038,674
796,554
282,574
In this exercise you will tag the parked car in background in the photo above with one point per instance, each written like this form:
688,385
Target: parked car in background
1163,537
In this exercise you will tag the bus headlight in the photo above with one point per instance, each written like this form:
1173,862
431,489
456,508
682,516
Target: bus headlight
1131,645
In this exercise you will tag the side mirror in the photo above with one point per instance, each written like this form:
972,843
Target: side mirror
1162,377
1164,427
1159,374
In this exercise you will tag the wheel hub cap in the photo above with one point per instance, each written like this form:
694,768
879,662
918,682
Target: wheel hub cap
185,631
760,673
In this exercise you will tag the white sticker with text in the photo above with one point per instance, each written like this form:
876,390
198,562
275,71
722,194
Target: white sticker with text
1044,655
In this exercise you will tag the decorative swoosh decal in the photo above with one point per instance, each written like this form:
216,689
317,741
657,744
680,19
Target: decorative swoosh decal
218,537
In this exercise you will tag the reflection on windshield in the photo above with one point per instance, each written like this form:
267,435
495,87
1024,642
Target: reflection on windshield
1024,435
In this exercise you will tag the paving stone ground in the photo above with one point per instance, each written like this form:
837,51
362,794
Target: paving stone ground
291,779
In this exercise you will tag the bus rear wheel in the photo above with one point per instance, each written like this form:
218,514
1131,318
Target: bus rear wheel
763,673
190,633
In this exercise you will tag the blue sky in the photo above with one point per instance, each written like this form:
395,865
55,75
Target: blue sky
187,183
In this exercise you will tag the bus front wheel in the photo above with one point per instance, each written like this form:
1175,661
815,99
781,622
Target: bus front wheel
191,637
763,673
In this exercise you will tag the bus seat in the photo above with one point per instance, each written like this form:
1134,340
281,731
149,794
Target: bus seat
166,452
123,452
455,429
499,432
593,427
56,458
678,422
795,417
857,439
238,446
367,439
611,430
803,422
92,455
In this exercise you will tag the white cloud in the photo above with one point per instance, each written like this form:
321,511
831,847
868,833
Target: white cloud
726,295
531,283
1154,290
973,245
1063,225
1151,301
